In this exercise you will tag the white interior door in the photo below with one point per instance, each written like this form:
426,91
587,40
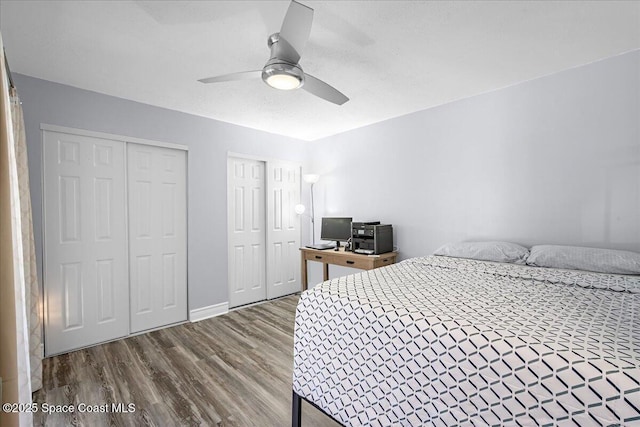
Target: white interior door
85,275
157,236
283,229
246,231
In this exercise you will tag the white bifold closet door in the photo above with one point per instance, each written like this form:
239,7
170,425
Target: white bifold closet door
86,276
263,230
115,255
157,236
246,231
283,229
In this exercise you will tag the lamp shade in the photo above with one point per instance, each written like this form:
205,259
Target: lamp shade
310,178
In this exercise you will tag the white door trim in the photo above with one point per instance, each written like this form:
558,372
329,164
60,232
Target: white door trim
111,136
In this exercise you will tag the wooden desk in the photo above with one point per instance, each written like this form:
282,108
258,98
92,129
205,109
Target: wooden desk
345,259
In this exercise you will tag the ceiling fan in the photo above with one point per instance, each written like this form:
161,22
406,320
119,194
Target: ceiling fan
282,70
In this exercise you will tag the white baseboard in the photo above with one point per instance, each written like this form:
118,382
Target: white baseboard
202,313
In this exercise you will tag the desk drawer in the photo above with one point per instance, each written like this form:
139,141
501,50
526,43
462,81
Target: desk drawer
349,259
362,263
382,261
358,261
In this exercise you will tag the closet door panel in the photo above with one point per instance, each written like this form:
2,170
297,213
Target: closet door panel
157,236
85,263
283,229
246,231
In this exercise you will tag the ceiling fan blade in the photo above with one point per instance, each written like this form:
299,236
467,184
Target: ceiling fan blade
323,90
284,50
245,75
296,26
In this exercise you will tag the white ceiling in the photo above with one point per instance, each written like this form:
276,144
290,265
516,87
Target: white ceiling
390,57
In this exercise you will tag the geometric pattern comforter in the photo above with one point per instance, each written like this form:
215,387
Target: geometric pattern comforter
439,341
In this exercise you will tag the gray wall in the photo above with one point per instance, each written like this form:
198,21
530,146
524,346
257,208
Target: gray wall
552,160
208,141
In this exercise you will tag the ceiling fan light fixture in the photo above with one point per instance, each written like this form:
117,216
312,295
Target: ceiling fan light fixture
283,81
283,76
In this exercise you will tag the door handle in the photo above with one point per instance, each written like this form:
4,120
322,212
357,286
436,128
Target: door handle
318,257
351,262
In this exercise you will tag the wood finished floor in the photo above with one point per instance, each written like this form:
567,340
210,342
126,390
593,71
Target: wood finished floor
232,370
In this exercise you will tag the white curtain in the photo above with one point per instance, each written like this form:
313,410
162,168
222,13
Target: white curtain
15,364
32,290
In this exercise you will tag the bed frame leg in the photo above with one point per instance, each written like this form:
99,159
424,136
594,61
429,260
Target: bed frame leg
296,410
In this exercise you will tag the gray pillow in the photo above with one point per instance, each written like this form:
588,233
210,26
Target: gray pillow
486,251
590,259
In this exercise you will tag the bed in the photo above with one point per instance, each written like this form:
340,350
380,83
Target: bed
445,341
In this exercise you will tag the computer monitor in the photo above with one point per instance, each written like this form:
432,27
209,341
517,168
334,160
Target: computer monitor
336,229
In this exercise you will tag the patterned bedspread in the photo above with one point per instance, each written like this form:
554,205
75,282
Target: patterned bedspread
444,341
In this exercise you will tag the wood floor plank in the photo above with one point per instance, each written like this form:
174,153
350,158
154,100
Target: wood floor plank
232,370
